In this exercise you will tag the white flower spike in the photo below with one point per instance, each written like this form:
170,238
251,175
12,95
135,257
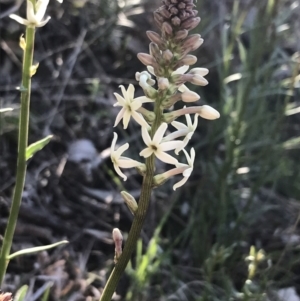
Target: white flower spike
120,161
157,147
183,130
34,15
130,105
188,169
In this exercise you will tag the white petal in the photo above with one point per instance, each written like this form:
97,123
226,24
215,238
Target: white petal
175,135
183,88
126,119
124,92
195,121
42,23
187,172
188,120
183,145
180,183
140,119
151,69
119,116
30,12
121,150
146,152
113,143
179,125
187,156
130,92
120,99
135,105
146,136
192,156
164,157
119,172
166,146
19,19
41,7
125,162
160,133
181,70
144,99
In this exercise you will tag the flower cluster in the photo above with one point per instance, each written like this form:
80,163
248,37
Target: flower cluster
168,69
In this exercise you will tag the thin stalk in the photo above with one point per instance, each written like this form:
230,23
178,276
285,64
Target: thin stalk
139,217
22,145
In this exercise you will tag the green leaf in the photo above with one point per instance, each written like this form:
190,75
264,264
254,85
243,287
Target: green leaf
47,292
37,146
21,293
36,249
5,110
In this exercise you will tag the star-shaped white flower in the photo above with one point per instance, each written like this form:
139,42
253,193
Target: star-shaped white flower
187,168
183,130
120,161
157,147
130,105
34,15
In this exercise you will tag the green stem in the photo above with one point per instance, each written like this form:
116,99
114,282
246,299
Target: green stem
138,220
22,145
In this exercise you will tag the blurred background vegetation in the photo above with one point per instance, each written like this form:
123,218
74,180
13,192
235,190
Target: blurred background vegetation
231,233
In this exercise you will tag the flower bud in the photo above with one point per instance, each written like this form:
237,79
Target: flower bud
189,96
207,112
199,71
155,52
176,21
187,60
33,69
181,34
146,59
192,43
191,40
22,42
167,55
158,19
130,201
159,180
190,23
199,80
166,29
163,83
118,239
155,38
164,12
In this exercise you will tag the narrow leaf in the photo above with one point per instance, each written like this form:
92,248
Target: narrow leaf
292,143
37,146
36,249
47,292
21,293
6,110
